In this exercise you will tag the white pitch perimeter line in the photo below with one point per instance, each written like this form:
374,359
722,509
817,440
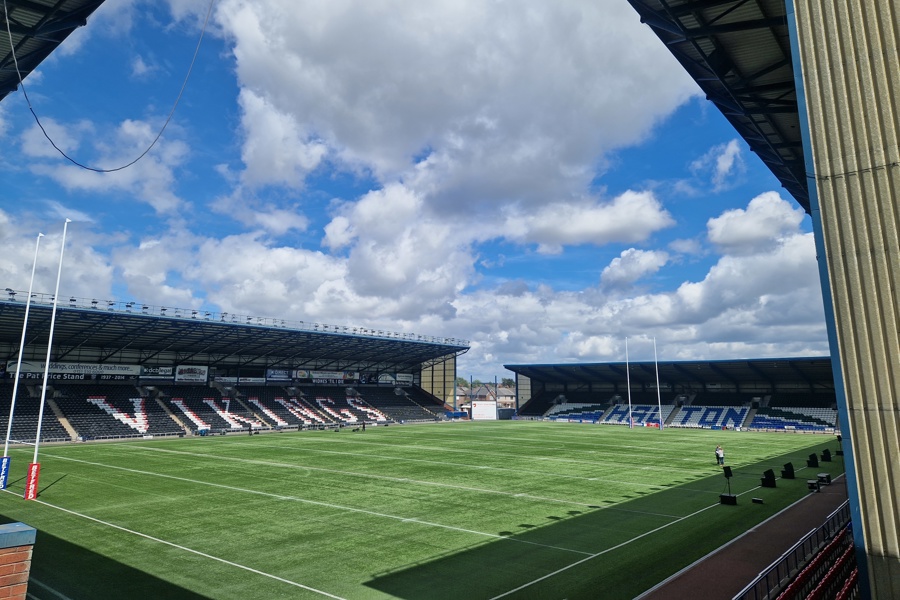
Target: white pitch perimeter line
56,593
185,549
389,478
318,503
601,553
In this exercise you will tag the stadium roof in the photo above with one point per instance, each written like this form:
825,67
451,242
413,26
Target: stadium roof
37,28
133,333
739,53
815,373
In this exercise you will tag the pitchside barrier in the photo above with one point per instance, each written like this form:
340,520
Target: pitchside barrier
779,575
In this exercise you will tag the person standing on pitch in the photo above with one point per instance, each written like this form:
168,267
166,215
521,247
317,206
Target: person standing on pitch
720,455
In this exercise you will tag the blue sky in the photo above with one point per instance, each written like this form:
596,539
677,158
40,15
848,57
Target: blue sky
541,179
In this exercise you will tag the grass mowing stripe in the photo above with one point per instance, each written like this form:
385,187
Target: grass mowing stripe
183,548
415,481
594,463
445,463
441,463
316,503
368,475
602,552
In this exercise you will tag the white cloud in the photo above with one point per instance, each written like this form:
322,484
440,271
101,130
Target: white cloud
471,104
276,150
632,265
85,272
690,247
724,164
750,230
140,68
630,217
257,214
151,179
67,138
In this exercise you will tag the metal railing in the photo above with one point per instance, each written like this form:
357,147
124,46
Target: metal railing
773,579
169,312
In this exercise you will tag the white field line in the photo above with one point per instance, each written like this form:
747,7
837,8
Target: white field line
616,547
337,507
601,553
446,463
439,449
183,548
400,480
567,440
675,576
56,593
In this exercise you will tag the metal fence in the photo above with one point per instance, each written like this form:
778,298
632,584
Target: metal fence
779,574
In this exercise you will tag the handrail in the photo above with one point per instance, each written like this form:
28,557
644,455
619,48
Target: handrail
773,579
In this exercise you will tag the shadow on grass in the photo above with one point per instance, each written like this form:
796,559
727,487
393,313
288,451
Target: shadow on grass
610,553
61,569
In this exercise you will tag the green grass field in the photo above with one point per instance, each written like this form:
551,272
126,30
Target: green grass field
507,509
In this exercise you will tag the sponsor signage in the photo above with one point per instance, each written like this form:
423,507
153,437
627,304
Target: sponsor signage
278,374
160,372
386,378
33,366
66,376
328,377
31,481
4,471
404,378
251,379
192,373
224,379
484,410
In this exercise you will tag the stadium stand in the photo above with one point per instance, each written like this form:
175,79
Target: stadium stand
576,411
402,405
724,399
98,411
25,419
207,410
710,417
643,414
795,418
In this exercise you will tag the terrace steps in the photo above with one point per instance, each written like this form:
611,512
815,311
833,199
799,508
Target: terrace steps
62,419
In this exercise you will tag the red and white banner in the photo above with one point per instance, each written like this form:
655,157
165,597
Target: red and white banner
31,481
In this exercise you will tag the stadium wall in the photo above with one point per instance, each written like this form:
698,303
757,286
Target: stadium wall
848,82
439,379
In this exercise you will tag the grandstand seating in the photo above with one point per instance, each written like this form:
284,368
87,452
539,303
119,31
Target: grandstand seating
98,411
643,414
25,419
204,408
539,404
796,418
576,412
710,417
407,406
724,399
817,400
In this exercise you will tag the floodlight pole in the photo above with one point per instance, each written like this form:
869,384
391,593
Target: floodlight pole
628,385
658,393
31,481
5,460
